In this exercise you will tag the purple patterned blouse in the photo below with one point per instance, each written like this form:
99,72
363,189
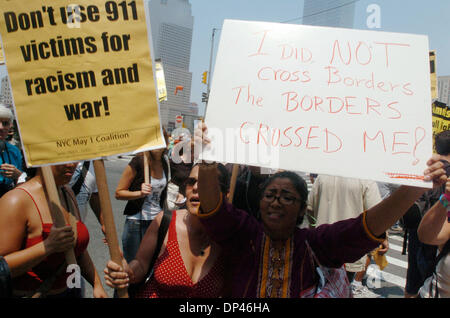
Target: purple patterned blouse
260,267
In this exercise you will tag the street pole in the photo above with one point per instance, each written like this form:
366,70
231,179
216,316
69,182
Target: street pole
208,82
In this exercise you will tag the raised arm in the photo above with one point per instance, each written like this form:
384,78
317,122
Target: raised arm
382,216
208,188
434,229
208,184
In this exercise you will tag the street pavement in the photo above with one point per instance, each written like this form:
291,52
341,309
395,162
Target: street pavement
393,276
390,284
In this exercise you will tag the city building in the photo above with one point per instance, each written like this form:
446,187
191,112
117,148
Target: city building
333,13
444,89
172,26
5,93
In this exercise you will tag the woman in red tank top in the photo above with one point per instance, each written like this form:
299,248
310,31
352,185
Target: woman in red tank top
35,248
189,265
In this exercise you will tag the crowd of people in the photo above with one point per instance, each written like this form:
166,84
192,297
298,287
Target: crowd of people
186,235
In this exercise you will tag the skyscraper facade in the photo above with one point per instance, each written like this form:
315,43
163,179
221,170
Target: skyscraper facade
5,93
333,13
444,89
171,29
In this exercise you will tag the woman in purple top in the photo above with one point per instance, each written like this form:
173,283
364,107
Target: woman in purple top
269,258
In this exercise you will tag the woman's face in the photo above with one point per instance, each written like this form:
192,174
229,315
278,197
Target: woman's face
63,173
191,191
5,126
280,207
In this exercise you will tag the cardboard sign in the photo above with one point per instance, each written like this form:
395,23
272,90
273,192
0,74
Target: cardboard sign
335,101
441,118
2,58
82,78
433,77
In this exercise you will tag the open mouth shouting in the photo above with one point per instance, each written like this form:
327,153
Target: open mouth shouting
194,200
275,215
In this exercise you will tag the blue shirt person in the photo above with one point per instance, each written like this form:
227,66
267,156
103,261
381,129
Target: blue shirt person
10,156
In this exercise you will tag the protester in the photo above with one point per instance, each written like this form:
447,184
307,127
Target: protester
59,239
84,186
313,177
34,247
270,258
189,264
145,200
10,156
421,256
335,198
434,229
13,136
181,162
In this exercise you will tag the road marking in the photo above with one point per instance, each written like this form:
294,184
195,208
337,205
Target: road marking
396,262
396,238
396,247
394,279
391,278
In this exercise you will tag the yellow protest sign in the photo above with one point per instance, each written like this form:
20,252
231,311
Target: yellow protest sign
160,81
2,58
433,74
82,78
441,117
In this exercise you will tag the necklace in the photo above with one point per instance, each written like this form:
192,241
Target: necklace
205,245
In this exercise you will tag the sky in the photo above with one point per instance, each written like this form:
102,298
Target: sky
431,18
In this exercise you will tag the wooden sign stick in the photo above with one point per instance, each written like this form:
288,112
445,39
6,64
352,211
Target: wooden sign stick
55,206
146,170
108,218
234,175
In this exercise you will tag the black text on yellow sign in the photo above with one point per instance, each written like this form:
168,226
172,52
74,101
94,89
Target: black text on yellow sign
88,67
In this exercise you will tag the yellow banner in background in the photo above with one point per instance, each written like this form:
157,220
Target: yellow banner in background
434,93
2,57
160,80
82,78
441,118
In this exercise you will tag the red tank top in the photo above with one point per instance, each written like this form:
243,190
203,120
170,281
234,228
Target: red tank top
33,279
171,279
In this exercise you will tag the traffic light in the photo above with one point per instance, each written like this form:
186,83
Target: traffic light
205,74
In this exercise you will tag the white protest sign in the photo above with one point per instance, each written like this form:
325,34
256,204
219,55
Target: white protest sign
335,101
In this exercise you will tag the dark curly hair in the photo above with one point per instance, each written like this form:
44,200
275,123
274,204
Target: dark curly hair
224,179
442,143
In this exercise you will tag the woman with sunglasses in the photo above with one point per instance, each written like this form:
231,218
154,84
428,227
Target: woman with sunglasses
273,257
189,265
